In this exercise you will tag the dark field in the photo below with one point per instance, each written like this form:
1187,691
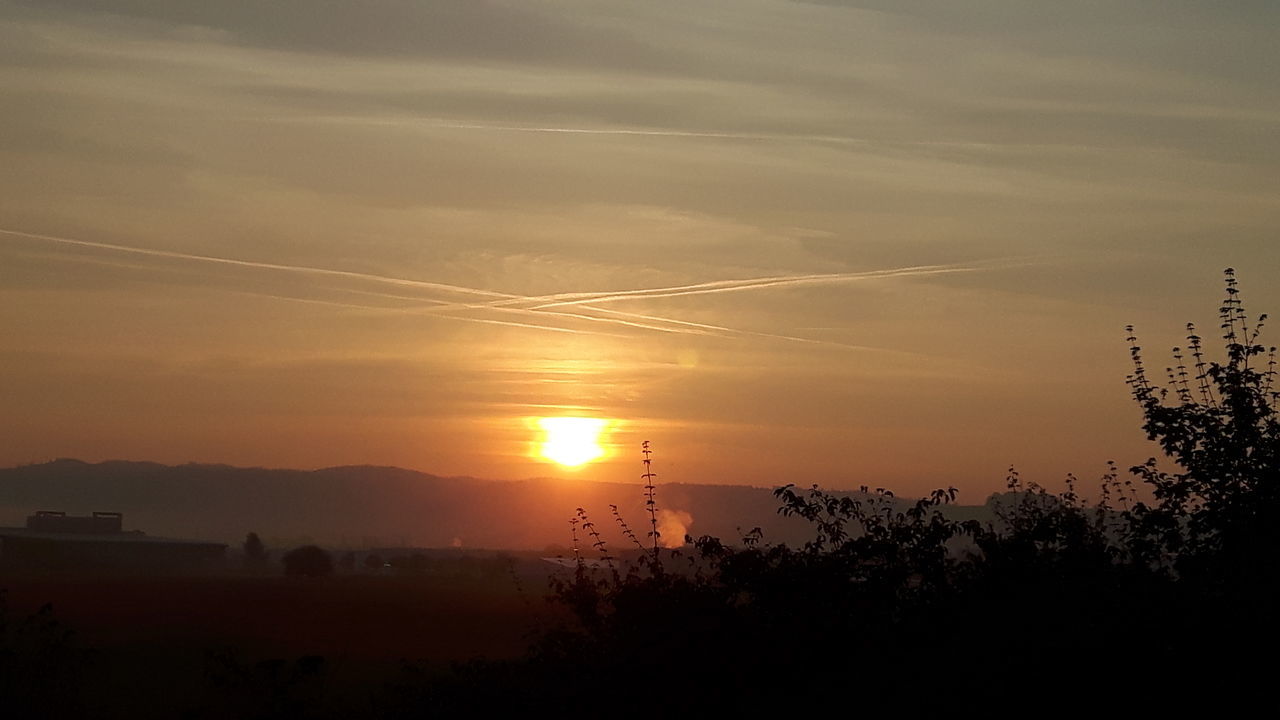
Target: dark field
436,619
163,646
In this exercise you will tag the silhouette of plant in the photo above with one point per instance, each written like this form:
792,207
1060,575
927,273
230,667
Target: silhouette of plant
597,540
627,532
267,689
308,561
255,553
650,502
1217,420
41,667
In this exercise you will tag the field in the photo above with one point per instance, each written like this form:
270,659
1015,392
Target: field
156,643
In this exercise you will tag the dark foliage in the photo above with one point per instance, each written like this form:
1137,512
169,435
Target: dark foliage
1217,420
308,561
255,553
265,690
41,666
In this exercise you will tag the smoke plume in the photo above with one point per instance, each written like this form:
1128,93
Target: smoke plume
673,525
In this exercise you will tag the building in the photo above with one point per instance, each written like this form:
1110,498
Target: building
101,523
55,541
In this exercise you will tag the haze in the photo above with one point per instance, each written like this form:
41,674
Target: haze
853,243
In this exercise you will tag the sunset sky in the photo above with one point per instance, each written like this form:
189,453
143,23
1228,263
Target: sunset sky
886,242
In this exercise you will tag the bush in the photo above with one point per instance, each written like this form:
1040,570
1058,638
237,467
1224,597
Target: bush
308,561
255,553
1217,420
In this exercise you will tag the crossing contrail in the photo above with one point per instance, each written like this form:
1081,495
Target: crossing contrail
442,305
586,299
538,306
378,308
721,286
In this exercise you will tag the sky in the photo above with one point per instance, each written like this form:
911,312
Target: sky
850,243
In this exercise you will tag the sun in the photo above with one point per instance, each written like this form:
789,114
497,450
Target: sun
571,441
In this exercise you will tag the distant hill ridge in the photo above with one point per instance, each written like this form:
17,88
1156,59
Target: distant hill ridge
366,505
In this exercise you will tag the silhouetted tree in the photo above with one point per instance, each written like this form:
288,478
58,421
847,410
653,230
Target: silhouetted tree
373,562
255,553
1217,420
308,561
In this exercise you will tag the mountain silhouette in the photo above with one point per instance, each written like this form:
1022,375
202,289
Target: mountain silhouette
360,506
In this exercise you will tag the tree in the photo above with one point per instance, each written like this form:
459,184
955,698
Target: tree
1217,420
255,553
347,562
308,561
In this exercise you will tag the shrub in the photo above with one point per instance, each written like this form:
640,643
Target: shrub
308,561
255,553
1217,420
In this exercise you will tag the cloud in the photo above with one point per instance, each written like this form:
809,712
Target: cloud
451,30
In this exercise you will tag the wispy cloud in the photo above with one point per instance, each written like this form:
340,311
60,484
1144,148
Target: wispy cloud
866,143
432,123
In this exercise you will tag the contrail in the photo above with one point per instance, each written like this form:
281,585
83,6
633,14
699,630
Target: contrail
870,143
563,130
531,326
303,269
864,141
654,318
598,131
683,327
538,306
628,323
714,286
376,308
694,328
586,298
443,305
728,331
754,284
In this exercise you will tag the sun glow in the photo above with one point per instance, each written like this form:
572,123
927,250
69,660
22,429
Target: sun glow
571,441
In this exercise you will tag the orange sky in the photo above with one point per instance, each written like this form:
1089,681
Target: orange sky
883,243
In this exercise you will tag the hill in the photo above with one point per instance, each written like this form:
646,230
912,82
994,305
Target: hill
378,506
